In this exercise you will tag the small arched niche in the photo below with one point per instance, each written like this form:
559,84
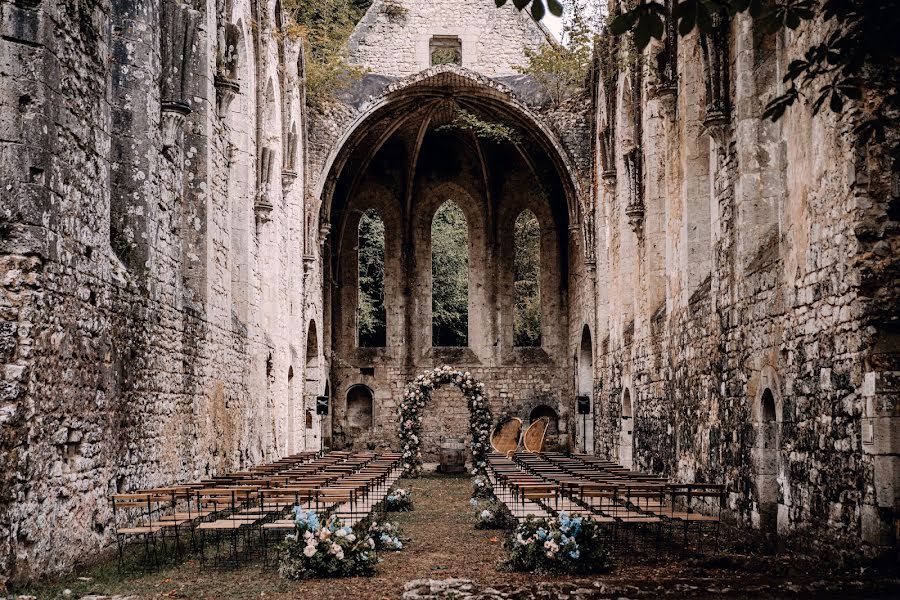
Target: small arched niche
360,408
766,463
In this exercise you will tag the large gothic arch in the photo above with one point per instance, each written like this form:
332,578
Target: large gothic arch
423,93
406,154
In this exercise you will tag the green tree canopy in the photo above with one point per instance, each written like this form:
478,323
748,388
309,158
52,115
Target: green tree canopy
450,276
371,314
527,240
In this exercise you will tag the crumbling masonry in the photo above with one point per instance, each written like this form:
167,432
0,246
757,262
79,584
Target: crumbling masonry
178,250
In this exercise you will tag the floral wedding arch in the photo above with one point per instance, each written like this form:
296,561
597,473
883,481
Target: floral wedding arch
417,395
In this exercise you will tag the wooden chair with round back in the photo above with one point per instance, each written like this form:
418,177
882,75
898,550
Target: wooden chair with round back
505,438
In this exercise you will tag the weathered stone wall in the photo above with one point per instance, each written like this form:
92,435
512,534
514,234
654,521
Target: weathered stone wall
394,36
150,318
743,282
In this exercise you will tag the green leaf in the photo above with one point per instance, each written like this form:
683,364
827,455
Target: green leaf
520,4
836,104
704,21
622,23
655,25
500,3
556,7
755,9
686,15
537,10
642,34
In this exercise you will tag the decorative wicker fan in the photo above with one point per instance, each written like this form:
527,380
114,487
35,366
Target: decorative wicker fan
505,438
534,435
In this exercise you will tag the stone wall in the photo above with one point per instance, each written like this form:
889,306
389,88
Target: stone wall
723,288
394,36
150,317
741,280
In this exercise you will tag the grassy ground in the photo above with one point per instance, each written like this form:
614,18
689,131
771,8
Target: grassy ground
443,544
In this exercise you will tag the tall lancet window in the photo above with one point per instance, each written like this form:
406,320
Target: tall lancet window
449,277
371,318
527,240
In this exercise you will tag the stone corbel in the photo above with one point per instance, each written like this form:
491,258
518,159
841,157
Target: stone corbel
287,178
172,117
179,29
263,206
226,90
634,210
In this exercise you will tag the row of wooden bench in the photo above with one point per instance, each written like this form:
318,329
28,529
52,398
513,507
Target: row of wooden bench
631,503
242,511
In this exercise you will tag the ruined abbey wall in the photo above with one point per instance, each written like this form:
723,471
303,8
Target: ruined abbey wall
177,260
742,299
155,294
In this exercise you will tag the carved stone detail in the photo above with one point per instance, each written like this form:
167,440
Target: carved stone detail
179,29
173,115
714,50
226,90
667,59
264,205
635,208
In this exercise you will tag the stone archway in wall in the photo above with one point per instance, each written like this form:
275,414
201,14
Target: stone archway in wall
403,158
311,389
585,388
770,497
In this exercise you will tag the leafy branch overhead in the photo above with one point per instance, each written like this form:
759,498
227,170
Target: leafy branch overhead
486,130
856,59
325,26
538,10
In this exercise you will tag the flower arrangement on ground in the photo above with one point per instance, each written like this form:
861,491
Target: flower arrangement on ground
557,545
492,514
325,549
482,488
398,500
409,416
386,534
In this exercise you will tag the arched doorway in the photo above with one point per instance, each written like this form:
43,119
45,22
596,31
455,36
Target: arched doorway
584,422
311,387
291,425
766,465
626,432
